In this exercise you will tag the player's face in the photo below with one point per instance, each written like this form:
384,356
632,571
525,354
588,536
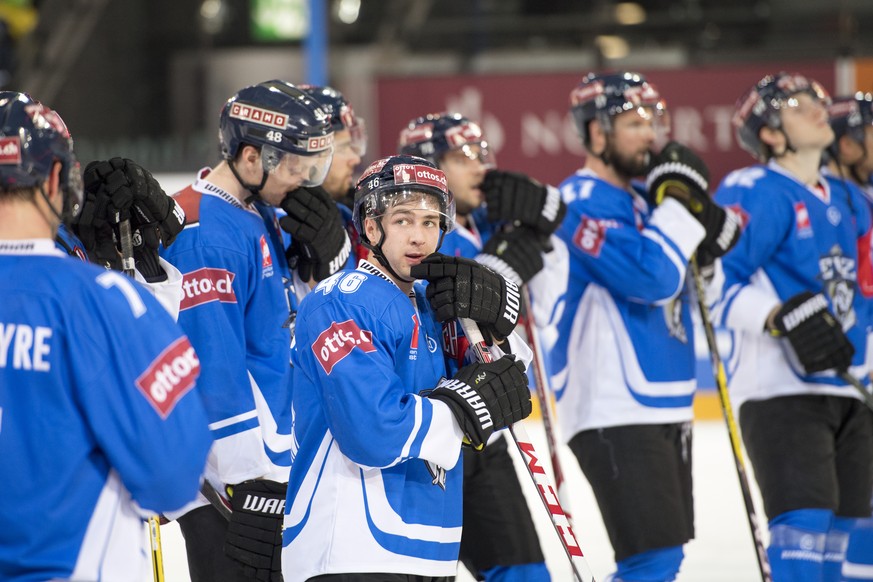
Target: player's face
411,232
805,122
866,164
342,167
465,169
293,171
633,134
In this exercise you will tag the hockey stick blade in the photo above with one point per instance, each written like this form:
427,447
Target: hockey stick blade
544,486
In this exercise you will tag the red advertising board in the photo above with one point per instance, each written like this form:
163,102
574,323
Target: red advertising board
525,116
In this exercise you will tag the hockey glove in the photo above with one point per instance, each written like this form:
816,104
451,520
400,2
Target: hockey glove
816,337
254,534
460,287
119,189
320,244
517,255
679,173
518,199
486,397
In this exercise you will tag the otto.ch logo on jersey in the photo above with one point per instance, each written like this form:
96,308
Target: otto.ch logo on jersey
338,341
205,285
170,376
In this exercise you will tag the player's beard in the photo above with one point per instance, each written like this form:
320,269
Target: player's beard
627,166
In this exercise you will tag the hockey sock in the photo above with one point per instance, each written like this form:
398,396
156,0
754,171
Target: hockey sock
518,573
797,545
659,565
835,549
858,564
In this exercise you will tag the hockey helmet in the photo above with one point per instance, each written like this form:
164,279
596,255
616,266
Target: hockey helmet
279,119
602,97
341,114
762,105
32,138
433,135
850,115
393,180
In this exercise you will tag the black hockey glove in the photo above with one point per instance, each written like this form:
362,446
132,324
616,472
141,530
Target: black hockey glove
816,337
679,173
486,397
320,245
119,189
517,255
254,534
460,287
518,199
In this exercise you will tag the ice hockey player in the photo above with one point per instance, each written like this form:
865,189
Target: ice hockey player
623,362
101,421
499,541
376,489
850,156
797,297
238,309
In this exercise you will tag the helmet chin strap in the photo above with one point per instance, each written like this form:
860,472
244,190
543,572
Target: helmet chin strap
51,208
380,256
254,190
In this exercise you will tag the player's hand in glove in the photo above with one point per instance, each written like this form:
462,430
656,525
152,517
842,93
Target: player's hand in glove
320,245
518,199
254,534
679,173
460,287
517,255
117,190
486,397
815,335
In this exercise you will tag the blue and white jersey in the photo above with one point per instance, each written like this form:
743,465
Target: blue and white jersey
237,309
68,242
99,417
795,238
376,484
619,338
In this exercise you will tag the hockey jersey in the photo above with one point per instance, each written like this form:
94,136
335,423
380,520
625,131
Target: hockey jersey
376,484
467,241
238,308
795,238
618,339
98,417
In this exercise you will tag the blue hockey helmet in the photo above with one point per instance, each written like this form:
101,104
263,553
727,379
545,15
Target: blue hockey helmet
850,115
390,181
278,118
602,97
341,114
32,138
433,135
762,105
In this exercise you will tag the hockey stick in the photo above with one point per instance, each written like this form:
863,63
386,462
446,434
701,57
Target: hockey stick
154,523
727,410
545,488
215,499
127,263
849,379
544,392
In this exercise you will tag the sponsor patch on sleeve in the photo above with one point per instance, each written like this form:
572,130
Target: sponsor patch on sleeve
338,341
589,236
170,376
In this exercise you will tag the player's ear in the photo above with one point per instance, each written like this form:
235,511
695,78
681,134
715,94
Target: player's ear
373,232
596,138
